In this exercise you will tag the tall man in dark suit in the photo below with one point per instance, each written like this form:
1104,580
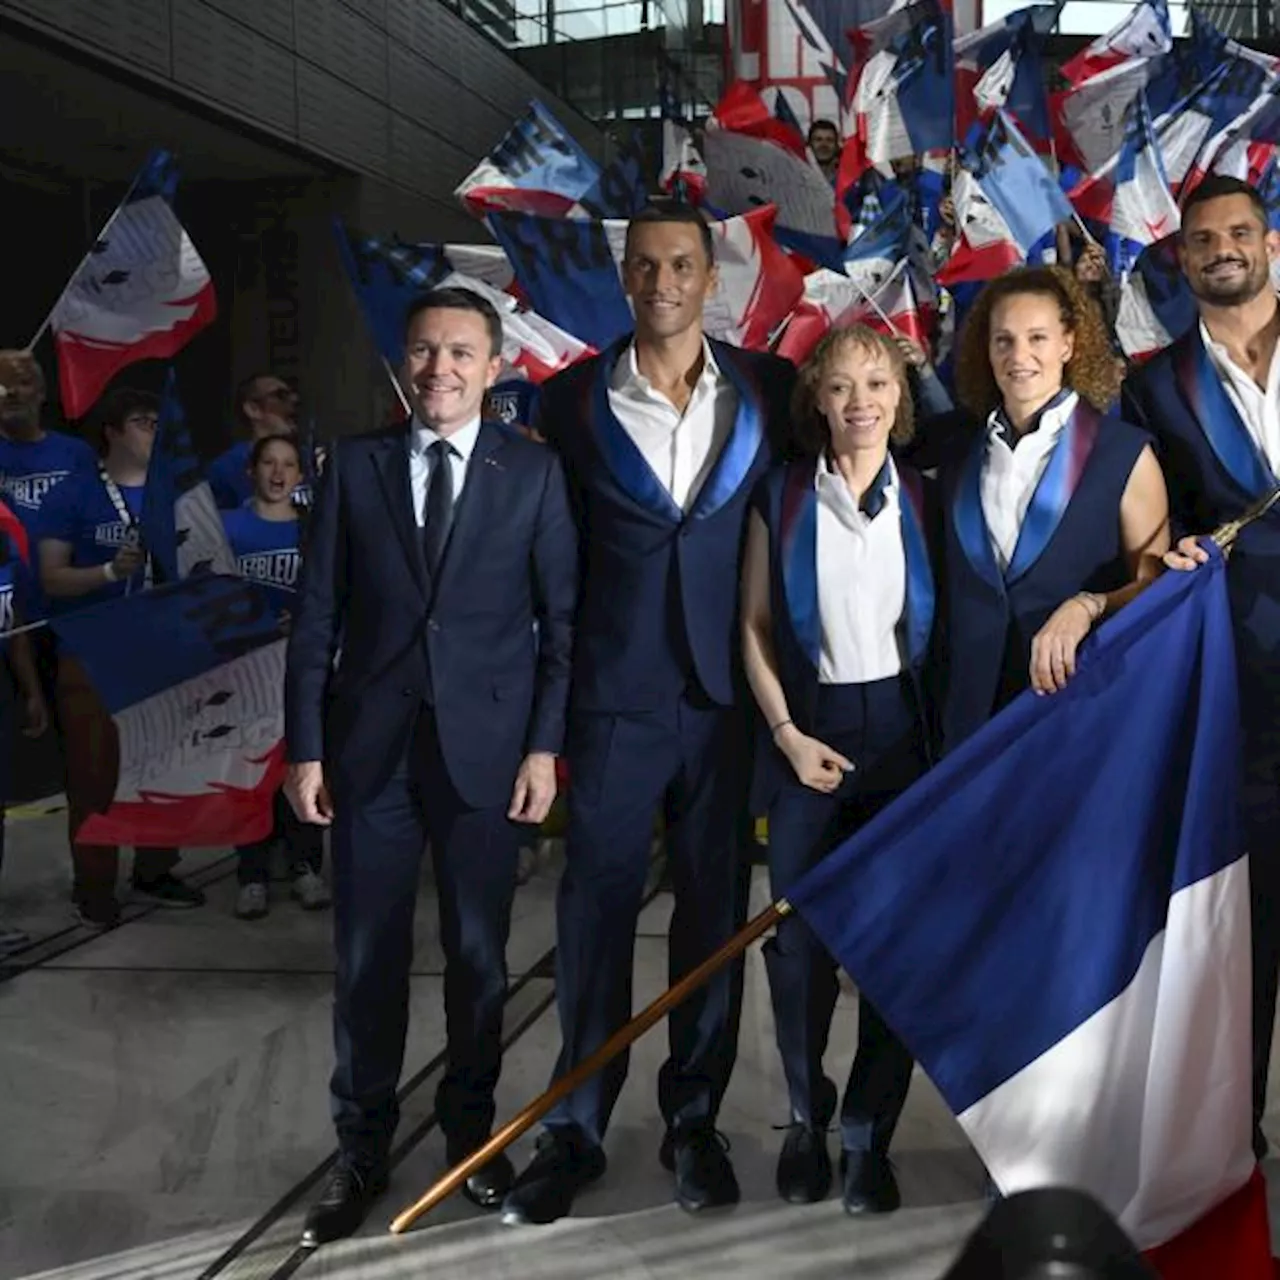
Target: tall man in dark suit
1212,400
432,552
663,437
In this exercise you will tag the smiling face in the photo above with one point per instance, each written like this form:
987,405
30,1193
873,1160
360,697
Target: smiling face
858,394
277,472
1029,348
449,364
668,278
1226,251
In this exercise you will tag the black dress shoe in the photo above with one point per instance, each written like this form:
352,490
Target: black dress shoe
804,1167
562,1166
487,1187
704,1176
869,1184
342,1205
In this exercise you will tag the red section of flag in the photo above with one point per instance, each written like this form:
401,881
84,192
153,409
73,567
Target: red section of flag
967,263
12,527
86,366
222,816
742,110
1232,1241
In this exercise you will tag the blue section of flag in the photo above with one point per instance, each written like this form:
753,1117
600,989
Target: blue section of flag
1011,894
174,470
1018,184
539,154
205,621
387,275
566,270
924,75
157,177
887,236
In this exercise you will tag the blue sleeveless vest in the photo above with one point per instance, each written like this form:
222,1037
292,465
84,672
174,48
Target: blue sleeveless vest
1069,542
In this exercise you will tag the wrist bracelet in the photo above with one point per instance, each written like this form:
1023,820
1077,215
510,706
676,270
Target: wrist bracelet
1095,605
782,724
109,571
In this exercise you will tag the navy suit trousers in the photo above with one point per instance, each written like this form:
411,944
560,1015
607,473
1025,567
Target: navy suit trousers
377,855
873,725
690,764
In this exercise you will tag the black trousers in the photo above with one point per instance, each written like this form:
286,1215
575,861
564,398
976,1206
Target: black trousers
688,762
303,840
875,726
377,849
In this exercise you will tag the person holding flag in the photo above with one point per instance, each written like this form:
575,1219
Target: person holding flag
265,535
1212,400
837,617
1058,515
89,551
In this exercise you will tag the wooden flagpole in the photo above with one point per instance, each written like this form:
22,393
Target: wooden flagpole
621,1040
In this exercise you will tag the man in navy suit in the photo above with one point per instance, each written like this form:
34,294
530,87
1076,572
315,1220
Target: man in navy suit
421,705
1212,400
663,436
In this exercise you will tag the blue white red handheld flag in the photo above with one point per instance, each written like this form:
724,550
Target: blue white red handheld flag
142,292
199,717
1056,921
182,529
1144,32
1156,304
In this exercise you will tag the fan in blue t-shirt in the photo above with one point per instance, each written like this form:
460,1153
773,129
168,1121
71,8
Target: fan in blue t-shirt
266,406
264,532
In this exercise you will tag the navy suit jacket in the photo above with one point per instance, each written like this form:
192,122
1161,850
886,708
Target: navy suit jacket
373,632
659,608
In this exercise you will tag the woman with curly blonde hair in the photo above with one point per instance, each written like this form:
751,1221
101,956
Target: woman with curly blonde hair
837,618
1059,514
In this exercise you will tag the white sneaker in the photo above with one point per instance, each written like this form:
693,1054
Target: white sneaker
310,890
251,902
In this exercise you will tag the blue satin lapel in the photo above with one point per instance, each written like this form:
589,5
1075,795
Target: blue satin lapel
970,523
798,552
739,454
625,461
1227,435
1057,486
917,620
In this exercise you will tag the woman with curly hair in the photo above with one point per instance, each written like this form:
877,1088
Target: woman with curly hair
837,617
1059,515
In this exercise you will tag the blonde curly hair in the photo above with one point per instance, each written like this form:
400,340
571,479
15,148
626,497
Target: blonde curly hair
1094,371
810,432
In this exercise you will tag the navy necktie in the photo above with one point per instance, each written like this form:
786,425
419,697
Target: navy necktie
438,509
873,500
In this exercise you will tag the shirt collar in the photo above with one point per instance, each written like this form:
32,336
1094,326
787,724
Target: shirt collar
1212,345
628,378
1049,420
883,488
462,441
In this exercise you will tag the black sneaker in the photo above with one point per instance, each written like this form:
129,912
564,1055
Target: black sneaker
97,912
699,1159
168,891
804,1167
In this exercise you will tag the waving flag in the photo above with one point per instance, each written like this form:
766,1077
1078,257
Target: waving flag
142,292
1062,939
874,254
1132,197
1089,119
200,717
1144,32
1014,179
182,529
1156,304
903,88
999,66
985,245
684,174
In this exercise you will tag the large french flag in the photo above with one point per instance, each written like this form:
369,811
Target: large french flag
199,717
142,293
1056,921
1144,32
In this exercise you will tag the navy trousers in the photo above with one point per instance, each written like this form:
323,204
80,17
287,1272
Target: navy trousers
377,852
876,727
689,763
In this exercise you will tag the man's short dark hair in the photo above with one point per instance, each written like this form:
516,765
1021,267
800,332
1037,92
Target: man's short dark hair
247,389
456,299
823,124
117,406
674,211
1218,185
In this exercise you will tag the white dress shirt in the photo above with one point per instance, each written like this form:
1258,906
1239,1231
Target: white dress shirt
862,582
462,443
1259,410
680,448
1010,475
